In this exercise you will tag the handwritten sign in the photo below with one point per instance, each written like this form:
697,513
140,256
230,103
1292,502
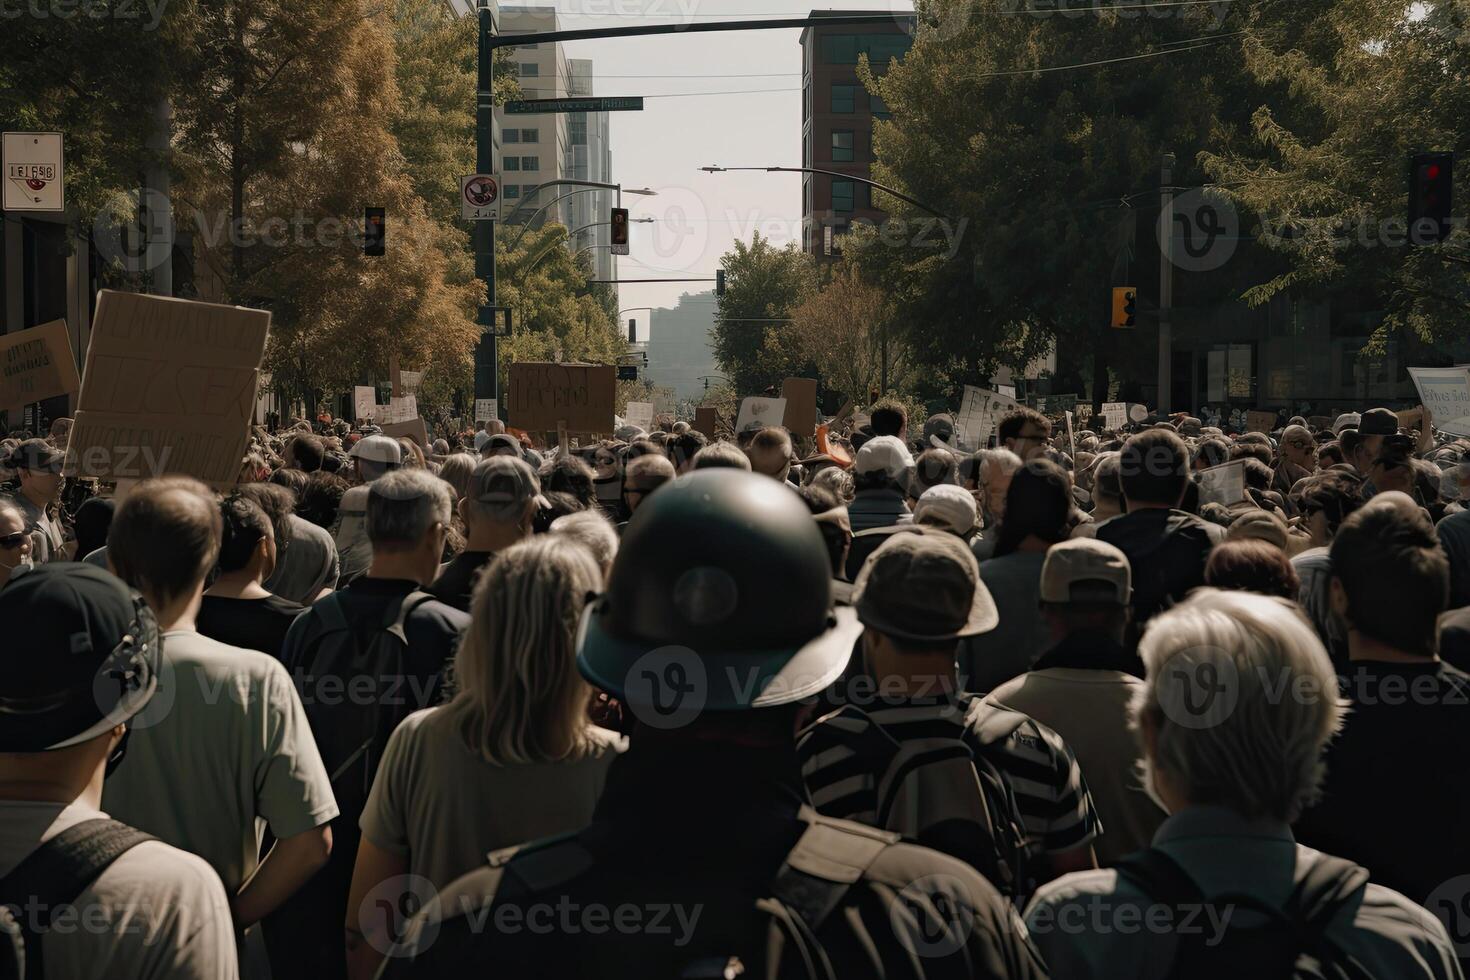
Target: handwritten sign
1446,393
758,413
1115,415
1262,422
544,394
801,405
486,410
640,414
980,410
36,364
365,401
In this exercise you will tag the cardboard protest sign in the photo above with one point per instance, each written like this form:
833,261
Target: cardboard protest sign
801,405
486,410
169,387
543,394
411,381
639,414
1115,415
399,410
365,401
757,413
1224,484
980,410
413,428
1446,393
36,364
704,421
1262,422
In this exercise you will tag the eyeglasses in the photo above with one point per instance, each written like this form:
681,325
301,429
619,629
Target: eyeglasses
12,541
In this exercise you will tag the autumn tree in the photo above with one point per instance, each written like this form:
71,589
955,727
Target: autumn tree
843,330
762,284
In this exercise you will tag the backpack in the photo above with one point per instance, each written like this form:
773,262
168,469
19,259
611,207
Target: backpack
1291,943
50,878
940,793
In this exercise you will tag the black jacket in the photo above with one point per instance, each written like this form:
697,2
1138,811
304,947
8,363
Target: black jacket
1167,550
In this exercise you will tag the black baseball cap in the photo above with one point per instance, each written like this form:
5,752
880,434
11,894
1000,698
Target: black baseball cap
1379,422
36,454
81,656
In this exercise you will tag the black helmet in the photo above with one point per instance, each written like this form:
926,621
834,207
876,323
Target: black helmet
83,655
720,599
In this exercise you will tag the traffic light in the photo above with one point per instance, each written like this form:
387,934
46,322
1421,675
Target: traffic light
1431,197
632,331
1125,307
375,232
620,231
719,282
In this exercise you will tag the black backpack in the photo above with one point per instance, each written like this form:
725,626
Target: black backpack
50,878
1291,943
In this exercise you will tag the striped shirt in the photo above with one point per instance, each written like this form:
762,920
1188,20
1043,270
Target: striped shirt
1051,794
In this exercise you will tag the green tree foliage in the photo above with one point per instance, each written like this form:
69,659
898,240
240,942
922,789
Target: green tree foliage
762,283
842,329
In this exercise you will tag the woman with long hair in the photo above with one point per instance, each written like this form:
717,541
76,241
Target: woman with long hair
511,758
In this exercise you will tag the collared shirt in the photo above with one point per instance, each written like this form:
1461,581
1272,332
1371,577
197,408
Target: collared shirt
1078,920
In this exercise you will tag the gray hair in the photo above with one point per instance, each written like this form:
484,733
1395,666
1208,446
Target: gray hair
9,506
1269,696
404,505
592,530
456,471
992,460
838,480
721,454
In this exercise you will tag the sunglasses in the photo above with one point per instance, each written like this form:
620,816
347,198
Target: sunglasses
12,541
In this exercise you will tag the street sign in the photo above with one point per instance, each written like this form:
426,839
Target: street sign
479,197
33,172
523,107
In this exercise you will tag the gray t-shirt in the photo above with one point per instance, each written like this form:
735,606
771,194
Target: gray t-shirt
308,565
155,912
223,745
990,659
445,808
353,546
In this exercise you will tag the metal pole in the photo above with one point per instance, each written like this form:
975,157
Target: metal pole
487,355
1166,286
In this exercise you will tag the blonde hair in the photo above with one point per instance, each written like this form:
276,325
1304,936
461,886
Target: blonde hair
520,699
456,471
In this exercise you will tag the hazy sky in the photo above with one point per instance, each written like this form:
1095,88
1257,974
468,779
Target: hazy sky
685,126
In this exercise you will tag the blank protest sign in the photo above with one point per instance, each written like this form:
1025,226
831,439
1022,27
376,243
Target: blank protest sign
169,387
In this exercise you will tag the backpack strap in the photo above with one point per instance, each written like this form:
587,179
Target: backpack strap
56,873
396,617
989,723
828,859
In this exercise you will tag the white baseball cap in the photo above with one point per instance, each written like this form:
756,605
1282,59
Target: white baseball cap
886,454
1347,420
377,449
947,507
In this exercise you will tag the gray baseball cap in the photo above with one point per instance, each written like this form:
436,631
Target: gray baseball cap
924,586
378,449
1086,570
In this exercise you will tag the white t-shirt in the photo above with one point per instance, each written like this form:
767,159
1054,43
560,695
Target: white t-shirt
156,911
223,746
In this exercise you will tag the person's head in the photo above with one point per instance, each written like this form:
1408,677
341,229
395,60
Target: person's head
1086,587
1216,730
1376,425
408,514
1260,525
1298,447
948,508
569,474
164,540
375,456
456,471
683,447
247,541
770,453
889,418
1107,485
1025,432
933,468
830,513
1390,577
1038,505
1153,469
721,455
519,699
278,503
15,540
91,523
917,595
304,452
37,463
883,463
837,480
90,663
504,495
501,444
1211,452
1393,467
1330,454
1257,474
1327,500
1251,449
642,477
1252,565
595,533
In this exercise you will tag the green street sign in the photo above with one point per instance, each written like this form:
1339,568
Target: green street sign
537,106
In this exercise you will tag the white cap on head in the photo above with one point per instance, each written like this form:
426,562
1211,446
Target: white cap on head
886,454
378,449
947,507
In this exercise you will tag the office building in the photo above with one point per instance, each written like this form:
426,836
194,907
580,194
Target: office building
590,158
533,149
679,352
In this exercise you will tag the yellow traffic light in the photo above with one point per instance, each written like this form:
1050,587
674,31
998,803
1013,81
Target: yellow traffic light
1125,307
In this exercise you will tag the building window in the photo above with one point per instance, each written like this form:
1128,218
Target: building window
511,164
530,163
511,192
844,98
842,146
844,49
510,136
529,69
530,136
840,49
879,107
844,196
577,132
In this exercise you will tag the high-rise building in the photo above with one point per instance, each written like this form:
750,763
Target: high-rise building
533,149
679,351
590,158
837,115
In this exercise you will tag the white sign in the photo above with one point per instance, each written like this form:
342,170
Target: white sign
365,401
1224,484
410,380
1071,437
404,409
486,410
479,197
1446,393
979,412
1115,415
33,172
639,414
757,413
1008,390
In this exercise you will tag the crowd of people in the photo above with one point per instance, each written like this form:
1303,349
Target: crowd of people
674,706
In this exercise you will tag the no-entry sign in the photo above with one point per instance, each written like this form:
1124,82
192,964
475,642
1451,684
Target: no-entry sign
33,168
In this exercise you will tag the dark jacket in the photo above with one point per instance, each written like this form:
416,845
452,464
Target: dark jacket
877,508
1167,550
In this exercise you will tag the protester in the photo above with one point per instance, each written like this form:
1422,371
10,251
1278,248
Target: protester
373,456
917,597
949,508
456,470
1025,432
15,542
1233,776
91,523
1390,583
642,477
1454,536
237,609
231,722
701,817
1252,565
932,468
838,480
888,417
721,455
102,900
993,470
1166,547
304,451
320,500
1081,687
1326,501
770,453
881,477
38,466
306,566
1298,459
1038,515
498,510
830,513
512,755
593,532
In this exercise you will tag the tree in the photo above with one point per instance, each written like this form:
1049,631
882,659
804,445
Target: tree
762,283
842,329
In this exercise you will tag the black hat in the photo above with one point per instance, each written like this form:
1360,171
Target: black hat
81,656
36,454
1379,422
720,599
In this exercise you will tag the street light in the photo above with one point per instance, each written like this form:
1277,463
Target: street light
586,185
834,173
600,224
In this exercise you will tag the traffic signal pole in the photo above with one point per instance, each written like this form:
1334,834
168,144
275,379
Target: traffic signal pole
1166,288
487,377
